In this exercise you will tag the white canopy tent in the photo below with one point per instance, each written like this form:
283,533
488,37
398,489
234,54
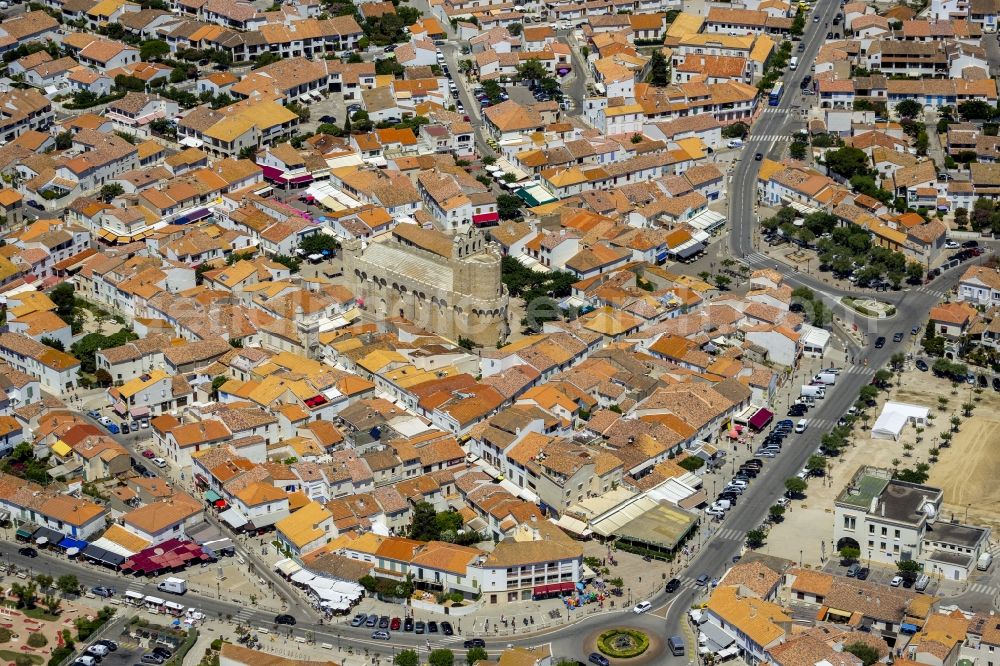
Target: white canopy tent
895,416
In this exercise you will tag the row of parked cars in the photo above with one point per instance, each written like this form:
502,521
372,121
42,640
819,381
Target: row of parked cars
96,652
124,427
736,487
383,624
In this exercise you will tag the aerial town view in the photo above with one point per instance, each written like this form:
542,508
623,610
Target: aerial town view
499,333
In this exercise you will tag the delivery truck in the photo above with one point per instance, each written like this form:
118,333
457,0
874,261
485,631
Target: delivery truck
173,585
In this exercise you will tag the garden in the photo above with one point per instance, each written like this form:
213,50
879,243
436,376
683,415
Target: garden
622,643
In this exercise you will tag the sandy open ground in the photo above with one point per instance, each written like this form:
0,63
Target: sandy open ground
967,471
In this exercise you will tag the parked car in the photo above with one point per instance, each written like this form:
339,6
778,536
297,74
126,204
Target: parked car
102,591
432,627
110,644
27,551
286,619
148,453
702,580
862,573
598,659
94,414
380,635
371,621
160,462
112,428
383,622
852,570
446,629
124,428
408,624
921,365
896,581
395,624
419,627
898,337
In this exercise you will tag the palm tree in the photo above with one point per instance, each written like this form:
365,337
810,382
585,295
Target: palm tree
955,422
967,407
26,594
51,603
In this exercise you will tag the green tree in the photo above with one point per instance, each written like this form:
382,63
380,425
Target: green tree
217,383
532,69
27,595
776,512
866,653
406,658
44,581
735,131
755,539
882,377
659,72
692,463
52,604
797,151
153,49
476,655
509,206
492,91
319,244
908,569
816,464
867,393
52,342
976,110
849,554
795,485
64,140
847,162
909,108
65,301
111,190
424,526
441,657
68,584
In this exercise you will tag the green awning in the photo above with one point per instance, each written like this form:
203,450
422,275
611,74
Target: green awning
25,531
212,496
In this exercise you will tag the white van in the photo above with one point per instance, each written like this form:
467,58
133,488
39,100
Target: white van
984,562
801,425
793,63
734,143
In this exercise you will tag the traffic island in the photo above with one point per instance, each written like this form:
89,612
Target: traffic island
621,643
869,307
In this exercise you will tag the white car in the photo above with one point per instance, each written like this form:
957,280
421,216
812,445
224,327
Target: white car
801,425
160,462
715,512
98,650
952,245
896,581
642,607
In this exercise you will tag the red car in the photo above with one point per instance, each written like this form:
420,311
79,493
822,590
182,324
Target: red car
394,625
148,454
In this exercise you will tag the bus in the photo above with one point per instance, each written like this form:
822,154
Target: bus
775,96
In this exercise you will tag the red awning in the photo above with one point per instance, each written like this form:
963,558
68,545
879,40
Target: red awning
486,218
552,588
761,419
221,504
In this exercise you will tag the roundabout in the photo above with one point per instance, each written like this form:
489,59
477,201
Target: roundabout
624,643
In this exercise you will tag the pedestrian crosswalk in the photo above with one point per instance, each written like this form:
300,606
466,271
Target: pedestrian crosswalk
925,289
731,534
766,138
982,588
244,615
